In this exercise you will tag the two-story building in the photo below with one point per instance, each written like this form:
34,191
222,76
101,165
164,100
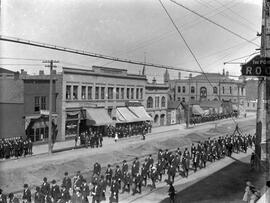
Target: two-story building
209,87
81,98
157,102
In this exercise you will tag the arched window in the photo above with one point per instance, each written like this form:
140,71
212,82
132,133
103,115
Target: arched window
230,90
192,90
215,90
149,102
163,102
203,92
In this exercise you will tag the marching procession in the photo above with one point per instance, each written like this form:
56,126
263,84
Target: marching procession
132,177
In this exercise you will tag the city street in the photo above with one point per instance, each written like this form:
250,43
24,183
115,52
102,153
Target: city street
14,173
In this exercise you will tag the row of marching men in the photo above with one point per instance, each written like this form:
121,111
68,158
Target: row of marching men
122,179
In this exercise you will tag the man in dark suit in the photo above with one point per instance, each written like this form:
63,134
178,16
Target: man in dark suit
26,194
45,187
67,181
55,192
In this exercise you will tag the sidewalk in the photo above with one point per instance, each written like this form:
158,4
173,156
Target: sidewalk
69,144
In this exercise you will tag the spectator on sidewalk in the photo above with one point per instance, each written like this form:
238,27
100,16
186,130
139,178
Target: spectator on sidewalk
3,198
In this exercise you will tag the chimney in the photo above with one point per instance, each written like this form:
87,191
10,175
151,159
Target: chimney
190,75
22,70
227,73
41,72
16,75
179,75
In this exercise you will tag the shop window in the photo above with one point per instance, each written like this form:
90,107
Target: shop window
163,102
132,93
68,92
37,104
110,92
102,93
97,93
149,102
89,92
75,92
137,93
122,93
192,90
43,103
71,127
117,93
128,93
83,92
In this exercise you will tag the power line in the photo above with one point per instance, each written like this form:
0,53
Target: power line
213,22
19,64
90,54
24,59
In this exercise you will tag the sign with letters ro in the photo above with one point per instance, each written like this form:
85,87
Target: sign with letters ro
257,66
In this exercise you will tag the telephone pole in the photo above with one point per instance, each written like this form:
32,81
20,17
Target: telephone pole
265,52
51,66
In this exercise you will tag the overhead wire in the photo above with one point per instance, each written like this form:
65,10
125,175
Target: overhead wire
190,50
215,23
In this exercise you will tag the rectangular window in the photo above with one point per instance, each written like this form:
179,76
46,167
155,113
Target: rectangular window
127,93
192,98
122,93
110,92
75,92
117,93
102,93
183,89
37,104
132,93
137,93
179,89
223,90
157,102
43,103
83,92
68,92
97,93
141,93
89,96
179,98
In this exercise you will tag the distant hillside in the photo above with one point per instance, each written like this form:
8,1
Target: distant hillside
251,89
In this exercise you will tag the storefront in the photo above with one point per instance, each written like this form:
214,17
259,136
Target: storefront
37,127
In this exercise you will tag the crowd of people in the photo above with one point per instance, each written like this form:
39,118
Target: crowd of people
212,117
15,147
131,178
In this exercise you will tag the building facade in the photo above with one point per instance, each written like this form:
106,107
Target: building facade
157,102
198,89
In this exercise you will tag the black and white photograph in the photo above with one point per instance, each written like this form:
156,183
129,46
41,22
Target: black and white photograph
134,101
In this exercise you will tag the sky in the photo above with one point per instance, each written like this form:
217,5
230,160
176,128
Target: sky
132,29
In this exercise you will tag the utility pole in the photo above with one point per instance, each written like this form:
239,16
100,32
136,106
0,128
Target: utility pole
50,104
265,52
188,111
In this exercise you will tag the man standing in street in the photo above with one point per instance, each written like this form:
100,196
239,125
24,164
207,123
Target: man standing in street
26,194
67,181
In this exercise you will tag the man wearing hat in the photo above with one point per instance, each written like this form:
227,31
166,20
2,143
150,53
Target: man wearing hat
45,187
153,176
26,194
55,192
85,191
124,167
118,175
108,174
67,181
97,168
